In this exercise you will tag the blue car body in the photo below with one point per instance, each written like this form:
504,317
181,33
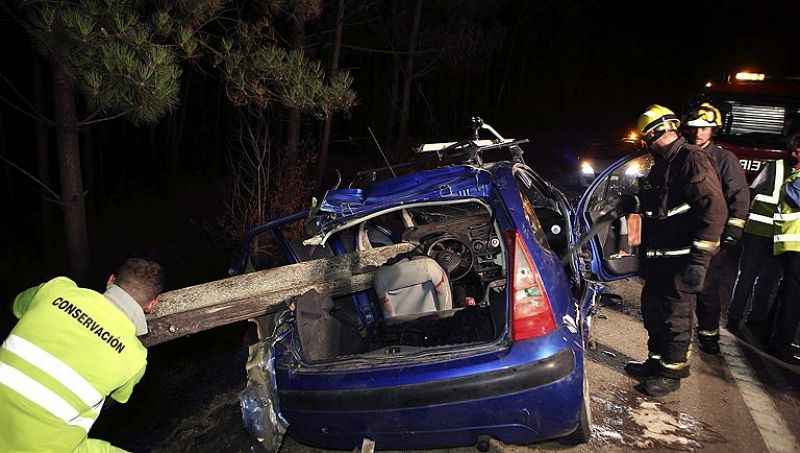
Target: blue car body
516,391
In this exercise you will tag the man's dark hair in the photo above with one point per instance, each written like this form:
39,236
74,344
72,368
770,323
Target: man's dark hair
141,278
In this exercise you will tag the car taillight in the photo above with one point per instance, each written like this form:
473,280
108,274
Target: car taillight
531,315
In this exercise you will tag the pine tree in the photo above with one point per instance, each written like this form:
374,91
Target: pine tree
125,59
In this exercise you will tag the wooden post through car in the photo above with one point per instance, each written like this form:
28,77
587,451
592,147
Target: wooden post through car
201,307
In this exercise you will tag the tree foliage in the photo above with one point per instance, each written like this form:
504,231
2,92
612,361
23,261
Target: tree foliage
126,56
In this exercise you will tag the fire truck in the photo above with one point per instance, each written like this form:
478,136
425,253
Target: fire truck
759,111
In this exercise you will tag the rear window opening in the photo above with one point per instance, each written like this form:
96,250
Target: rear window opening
449,290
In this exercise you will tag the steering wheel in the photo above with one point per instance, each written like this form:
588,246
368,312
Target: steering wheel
453,254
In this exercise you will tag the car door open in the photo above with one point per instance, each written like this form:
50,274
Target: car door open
613,255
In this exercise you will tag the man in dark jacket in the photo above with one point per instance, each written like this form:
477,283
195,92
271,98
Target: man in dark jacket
702,123
684,213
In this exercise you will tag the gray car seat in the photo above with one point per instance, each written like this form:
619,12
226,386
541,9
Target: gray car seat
413,285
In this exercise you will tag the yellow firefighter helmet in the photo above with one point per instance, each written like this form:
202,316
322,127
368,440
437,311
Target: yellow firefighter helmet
704,115
655,119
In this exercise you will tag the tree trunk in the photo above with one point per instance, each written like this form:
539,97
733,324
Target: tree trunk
87,167
217,134
69,163
46,214
326,131
408,76
394,90
293,130
174,154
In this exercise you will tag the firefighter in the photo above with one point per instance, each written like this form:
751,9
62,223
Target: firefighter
70,349
786,224
702,122
684,214
759,269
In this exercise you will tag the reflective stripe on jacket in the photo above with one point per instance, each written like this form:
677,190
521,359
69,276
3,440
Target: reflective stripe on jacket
765,203
69,350
734,188
683,205
787,221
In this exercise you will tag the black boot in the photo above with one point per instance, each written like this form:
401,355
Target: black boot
644,369
660,386
708,343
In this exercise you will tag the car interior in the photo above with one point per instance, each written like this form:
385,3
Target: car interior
449,290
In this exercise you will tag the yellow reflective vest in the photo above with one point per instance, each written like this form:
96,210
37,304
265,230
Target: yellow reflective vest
759,221
70,349
787,222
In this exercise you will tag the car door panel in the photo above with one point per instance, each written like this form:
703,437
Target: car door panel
612,256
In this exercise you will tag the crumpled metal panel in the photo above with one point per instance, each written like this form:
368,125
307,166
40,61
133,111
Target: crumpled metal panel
457,181
259,400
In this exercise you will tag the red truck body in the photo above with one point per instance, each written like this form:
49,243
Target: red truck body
759,110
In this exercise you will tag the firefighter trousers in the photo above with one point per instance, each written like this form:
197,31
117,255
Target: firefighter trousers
787,312
668,300
709,302
757,279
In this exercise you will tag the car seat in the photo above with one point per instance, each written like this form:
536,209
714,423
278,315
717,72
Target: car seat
413,285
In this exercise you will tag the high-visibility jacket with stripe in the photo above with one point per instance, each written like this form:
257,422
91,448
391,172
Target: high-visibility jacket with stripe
69,350
787,221
759,221
684,210
734,188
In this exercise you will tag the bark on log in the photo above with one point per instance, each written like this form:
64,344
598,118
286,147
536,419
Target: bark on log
202,307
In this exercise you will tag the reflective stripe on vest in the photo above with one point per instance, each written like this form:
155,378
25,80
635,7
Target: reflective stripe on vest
786,217
42,397
761,218
787,222
58,370
772,198
53,366
765,204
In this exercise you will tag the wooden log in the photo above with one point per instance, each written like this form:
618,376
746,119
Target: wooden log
201,307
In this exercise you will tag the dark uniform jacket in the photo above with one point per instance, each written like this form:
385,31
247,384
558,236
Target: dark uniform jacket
734,188
683,206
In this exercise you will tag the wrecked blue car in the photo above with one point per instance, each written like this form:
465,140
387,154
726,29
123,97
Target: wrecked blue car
474,328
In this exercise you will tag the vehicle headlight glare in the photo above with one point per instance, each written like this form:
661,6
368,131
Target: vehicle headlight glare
586,168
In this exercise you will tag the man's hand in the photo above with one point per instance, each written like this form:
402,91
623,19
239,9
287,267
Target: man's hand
616,206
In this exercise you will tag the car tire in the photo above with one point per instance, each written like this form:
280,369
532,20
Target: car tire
583,433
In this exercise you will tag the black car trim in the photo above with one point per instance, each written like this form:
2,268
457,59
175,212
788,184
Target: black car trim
495,383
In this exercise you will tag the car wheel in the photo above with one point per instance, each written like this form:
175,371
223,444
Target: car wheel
583,433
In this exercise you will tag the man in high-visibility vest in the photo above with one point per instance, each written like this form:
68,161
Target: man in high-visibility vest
786,221
71,348
759,270
702,123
